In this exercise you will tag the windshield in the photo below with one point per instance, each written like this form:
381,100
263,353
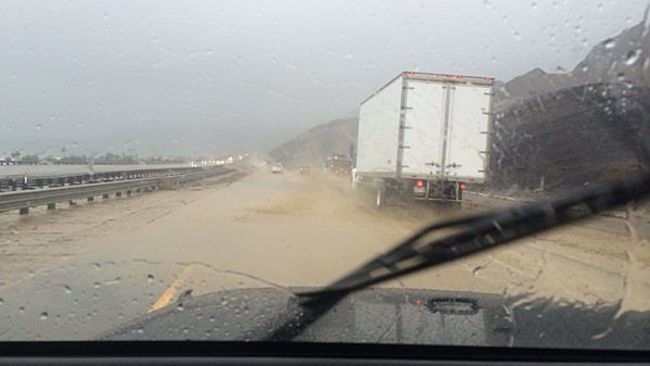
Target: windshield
182,170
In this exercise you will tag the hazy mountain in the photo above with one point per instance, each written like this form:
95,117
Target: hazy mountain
621,59
530,84
315,145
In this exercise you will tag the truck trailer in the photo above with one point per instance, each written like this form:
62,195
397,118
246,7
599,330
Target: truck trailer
426,136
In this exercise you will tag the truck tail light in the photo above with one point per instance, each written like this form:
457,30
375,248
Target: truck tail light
419,184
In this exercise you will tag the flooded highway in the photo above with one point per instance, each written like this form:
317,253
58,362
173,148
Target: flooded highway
81,271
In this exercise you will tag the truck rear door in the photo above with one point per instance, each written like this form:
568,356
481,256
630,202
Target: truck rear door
468,132
424,114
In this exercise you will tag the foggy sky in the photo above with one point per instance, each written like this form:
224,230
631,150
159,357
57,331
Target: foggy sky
173,77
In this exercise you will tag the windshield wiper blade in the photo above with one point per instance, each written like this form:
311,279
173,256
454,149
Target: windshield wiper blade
472,235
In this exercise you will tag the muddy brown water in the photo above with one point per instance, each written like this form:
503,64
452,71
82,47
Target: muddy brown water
117,259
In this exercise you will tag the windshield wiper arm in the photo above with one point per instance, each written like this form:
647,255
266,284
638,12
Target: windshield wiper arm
472,235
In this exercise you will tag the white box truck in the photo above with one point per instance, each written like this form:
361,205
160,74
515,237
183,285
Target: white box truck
425,135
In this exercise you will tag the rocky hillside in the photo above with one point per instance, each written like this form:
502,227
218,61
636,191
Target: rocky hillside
571,137
315,145
533,83
577,127
622,59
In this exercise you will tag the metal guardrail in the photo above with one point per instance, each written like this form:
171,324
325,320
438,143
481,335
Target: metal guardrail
23,200
4,162
23,182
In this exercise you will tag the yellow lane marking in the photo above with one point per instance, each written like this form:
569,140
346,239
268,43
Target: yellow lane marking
171,291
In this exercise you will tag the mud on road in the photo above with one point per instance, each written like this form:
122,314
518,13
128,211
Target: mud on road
119,259
601,260
43,239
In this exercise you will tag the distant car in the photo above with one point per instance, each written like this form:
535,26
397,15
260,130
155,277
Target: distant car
276,168
304,170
